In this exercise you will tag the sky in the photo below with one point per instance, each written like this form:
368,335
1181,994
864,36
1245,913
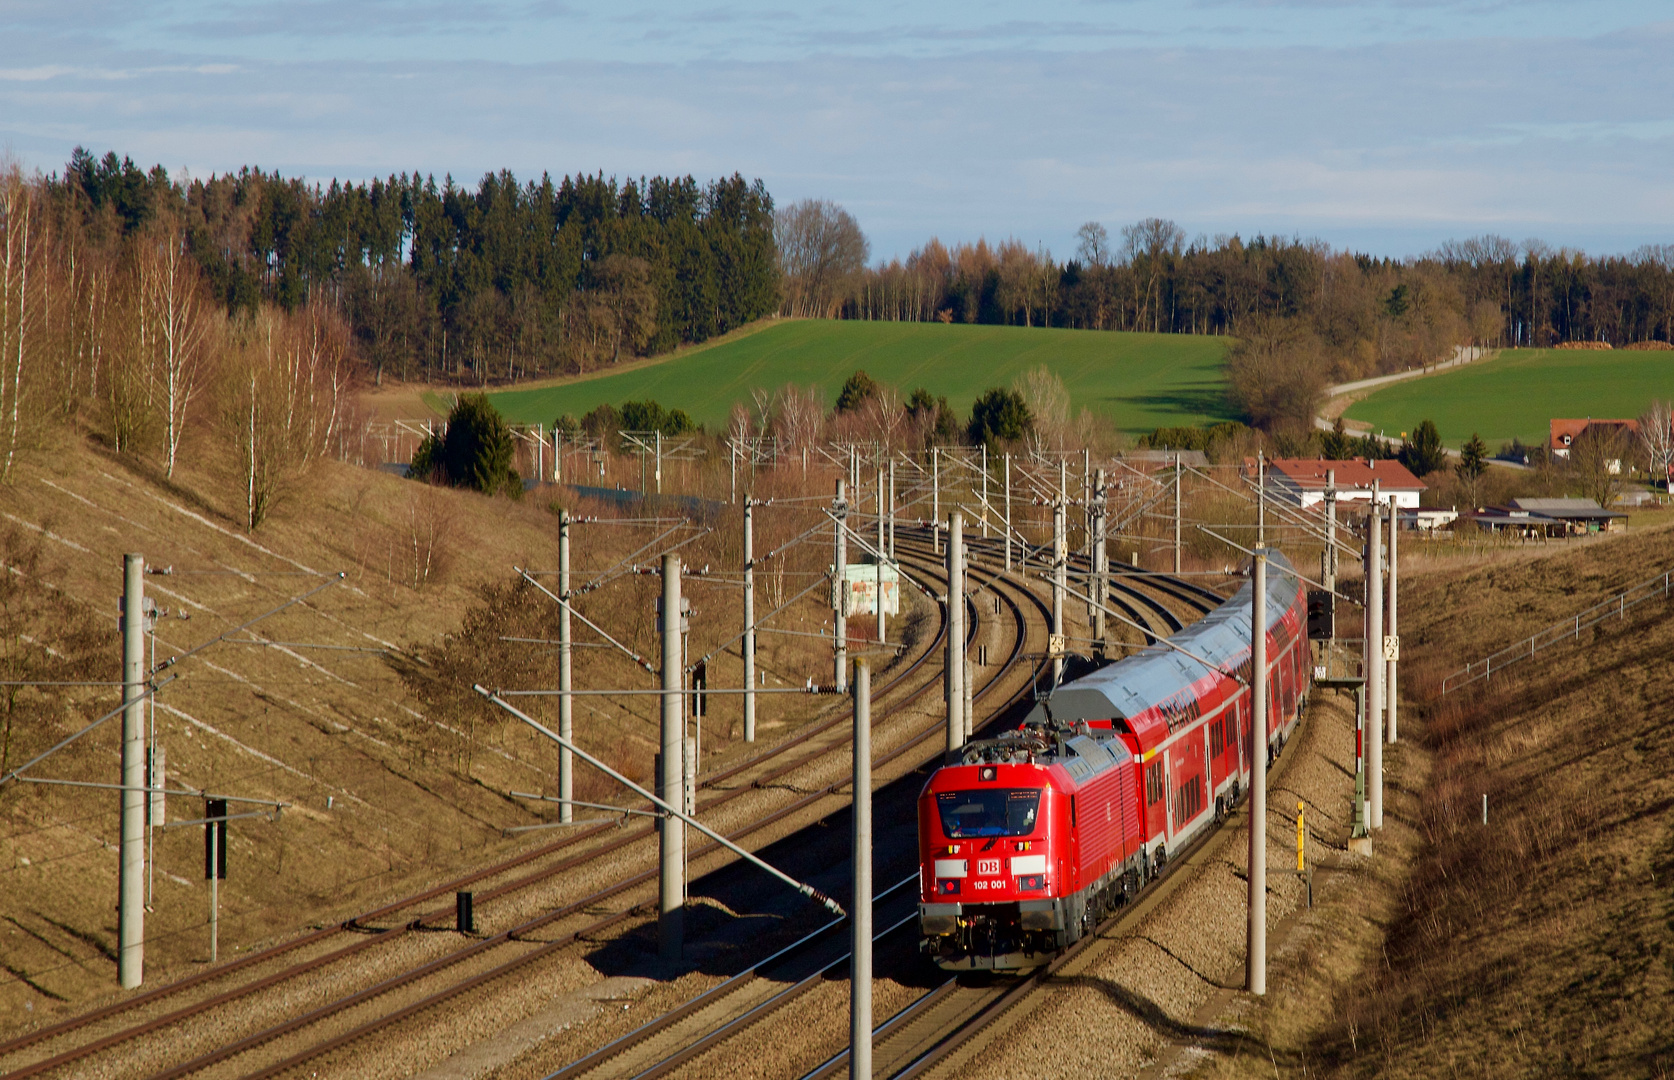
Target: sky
1384,126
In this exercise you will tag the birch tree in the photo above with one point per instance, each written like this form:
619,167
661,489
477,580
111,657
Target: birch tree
1656,435
175,323
17,316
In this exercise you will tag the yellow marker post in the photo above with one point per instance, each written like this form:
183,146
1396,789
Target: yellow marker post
1301,832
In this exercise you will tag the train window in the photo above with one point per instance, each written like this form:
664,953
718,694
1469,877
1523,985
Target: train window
1153,783
988,812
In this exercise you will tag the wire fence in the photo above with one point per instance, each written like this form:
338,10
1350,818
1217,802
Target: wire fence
1566,630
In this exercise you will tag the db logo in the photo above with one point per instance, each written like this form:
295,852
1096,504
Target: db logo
988,867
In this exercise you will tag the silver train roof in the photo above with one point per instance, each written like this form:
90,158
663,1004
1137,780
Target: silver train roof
1153,675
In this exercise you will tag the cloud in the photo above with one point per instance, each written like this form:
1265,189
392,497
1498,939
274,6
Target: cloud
1397,144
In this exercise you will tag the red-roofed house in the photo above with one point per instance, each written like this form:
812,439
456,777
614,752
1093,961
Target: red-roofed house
1304,480
1565,432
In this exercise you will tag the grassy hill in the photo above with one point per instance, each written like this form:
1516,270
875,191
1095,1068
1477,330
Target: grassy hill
1516,393
1141,381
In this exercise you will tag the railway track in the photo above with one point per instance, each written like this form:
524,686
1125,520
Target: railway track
899,687
900,1041
626,1057
471,962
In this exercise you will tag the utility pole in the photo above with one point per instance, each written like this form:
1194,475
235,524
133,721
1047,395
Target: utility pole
749,618
130,956
891,510
566,703
557,455
839,610
1392,650
1008,512
215,866
659,463
1330,567
1261,499
1101,560
879,598
1373,666
936,496
1087,501
672,783
953,664
1256,953
1176,511
732,461
1060,560
985,491
860,944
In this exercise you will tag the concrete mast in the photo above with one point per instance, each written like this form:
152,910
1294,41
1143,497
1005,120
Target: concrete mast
860,943
839,576
953,667
566,704
130,957
1256,952
749,647
672,783
1389,692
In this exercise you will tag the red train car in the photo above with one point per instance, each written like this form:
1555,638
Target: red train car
1029,839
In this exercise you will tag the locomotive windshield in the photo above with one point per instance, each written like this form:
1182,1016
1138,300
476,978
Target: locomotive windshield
988,812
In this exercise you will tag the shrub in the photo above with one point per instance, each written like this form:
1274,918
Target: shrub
998,416
476,452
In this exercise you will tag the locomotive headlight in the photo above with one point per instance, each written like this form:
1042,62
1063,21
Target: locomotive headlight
1022,865
988,772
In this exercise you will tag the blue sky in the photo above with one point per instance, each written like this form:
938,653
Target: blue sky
1386,125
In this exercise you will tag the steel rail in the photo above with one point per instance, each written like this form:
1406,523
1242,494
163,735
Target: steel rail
738,1024
75,1023
250,1042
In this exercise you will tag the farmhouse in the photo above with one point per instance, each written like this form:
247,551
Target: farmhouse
1304,480
1546,517
1564,433
1428,519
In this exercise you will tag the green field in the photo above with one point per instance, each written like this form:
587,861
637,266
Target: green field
1141,381
1518,392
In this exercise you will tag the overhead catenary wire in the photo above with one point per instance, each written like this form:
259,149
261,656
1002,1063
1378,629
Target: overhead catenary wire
638,659
1292,571
802,887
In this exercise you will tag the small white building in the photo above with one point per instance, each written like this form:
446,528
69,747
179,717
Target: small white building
1305,480
1429,519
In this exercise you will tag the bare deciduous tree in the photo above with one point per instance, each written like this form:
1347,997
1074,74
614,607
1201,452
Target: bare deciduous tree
799,416
1596,461
21,250
1049,406
175,322
286,398
821,249
1093,244
1656,436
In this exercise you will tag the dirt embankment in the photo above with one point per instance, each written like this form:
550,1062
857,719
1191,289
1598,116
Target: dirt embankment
1542,942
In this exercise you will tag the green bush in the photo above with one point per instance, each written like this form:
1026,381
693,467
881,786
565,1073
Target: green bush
1000,416
650,416
476,452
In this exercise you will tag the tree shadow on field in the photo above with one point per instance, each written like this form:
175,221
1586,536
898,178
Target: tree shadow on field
1197,399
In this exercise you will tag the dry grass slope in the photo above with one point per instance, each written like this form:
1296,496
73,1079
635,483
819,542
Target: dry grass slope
396,775
1541,944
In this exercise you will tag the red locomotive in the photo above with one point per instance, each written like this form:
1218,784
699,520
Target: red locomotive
1029,839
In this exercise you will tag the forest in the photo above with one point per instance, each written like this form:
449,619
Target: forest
1349,315
136,305
440,281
